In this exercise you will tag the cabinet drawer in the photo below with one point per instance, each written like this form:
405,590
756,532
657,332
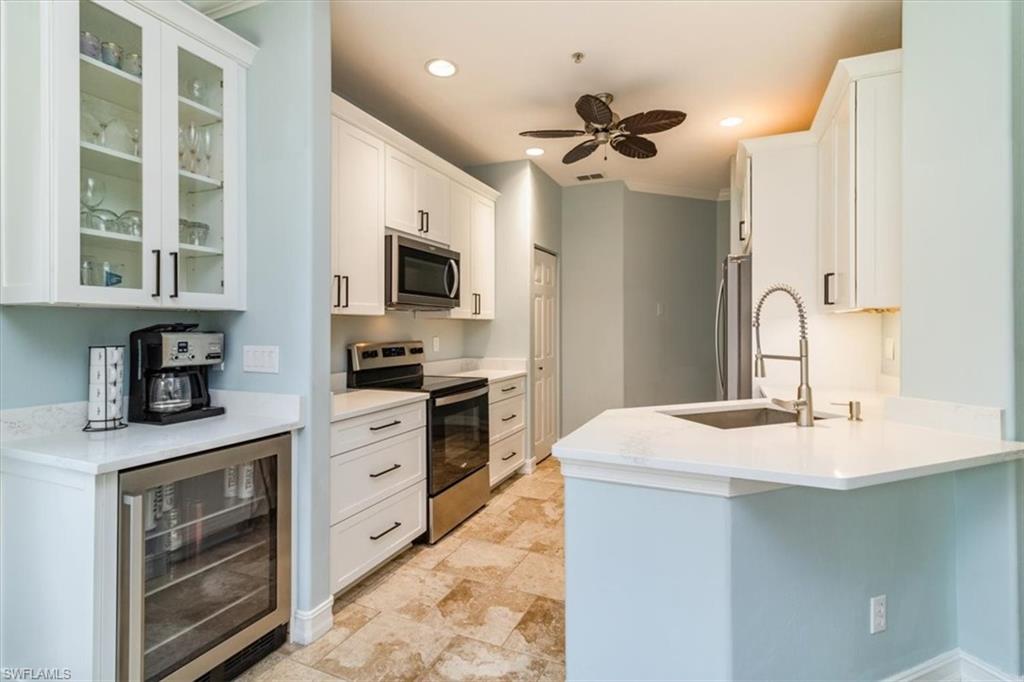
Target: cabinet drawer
508,388
354,433
507,416
362,542
506,456
362,477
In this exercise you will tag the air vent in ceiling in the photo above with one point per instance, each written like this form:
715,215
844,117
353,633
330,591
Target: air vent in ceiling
592,176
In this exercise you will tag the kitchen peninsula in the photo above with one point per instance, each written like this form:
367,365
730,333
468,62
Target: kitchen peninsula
697,552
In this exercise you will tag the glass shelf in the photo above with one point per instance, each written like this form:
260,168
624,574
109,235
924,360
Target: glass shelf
194,250
194,182
110,83
99,237
190,110
111,162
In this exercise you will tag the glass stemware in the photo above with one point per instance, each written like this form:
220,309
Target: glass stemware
94,191
206,147
181,147
192,134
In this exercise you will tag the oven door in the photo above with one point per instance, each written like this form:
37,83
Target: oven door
459,437
420,276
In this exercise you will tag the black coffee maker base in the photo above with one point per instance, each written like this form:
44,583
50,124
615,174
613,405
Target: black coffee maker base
163,419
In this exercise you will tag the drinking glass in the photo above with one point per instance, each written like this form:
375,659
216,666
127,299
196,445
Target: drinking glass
94,191
193,144
136,142
111,54
181,147
206,148
196,90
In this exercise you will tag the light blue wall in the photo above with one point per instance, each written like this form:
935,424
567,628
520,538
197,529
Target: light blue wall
44,356
958,217
1018,175
805,564
288,223
647,584
669,251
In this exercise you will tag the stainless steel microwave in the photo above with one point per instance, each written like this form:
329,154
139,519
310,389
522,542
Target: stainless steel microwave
419,276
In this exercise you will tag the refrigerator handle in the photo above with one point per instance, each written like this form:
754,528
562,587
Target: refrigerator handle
718,331
136,575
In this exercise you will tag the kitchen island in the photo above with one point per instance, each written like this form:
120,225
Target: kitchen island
753,552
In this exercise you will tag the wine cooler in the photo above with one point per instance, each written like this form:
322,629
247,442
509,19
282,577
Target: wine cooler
204,559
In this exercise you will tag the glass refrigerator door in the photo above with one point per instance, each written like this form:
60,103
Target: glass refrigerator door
200,561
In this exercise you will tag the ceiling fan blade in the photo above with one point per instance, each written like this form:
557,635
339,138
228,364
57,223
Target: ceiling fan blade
580,151
552,133
653,121
634,147
594,111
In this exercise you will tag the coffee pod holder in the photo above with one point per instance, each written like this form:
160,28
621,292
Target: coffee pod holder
106,389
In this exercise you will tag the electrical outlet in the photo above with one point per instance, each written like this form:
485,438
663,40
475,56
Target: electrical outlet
659,309
890,348
260,359
878,615
437,343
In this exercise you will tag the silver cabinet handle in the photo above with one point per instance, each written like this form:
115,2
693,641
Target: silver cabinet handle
136,575
386,471
386,426
378,536
509,456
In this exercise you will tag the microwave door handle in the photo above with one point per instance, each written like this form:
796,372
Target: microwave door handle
454,292
134,633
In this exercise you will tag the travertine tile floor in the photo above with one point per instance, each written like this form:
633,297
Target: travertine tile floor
487,602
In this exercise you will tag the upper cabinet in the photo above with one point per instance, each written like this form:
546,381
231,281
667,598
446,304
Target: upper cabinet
123,156
859,185
417,198
472,235
384,182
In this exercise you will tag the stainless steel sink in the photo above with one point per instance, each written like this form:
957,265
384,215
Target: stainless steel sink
742,418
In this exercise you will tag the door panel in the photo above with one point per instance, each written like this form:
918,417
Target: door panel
545,353
433,192
460,219
400,190
844,197
357,221
483,260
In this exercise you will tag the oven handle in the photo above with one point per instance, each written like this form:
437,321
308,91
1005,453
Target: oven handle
460,397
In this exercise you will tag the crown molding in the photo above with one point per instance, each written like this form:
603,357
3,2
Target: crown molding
754,145
724,194
849,71
229,7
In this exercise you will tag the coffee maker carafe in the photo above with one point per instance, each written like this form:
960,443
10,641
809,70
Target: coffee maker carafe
169,364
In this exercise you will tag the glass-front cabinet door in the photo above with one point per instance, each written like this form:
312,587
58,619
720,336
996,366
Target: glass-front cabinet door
107,137
202,181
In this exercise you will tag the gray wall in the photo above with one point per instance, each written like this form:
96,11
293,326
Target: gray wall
722,215
289,168
958,218
592,301
670,247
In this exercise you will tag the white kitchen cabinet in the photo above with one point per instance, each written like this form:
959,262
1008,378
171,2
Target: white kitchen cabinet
859,216
357,220
461,220
152,149
417,198
483,258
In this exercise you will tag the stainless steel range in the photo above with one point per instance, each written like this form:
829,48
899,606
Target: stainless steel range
458,476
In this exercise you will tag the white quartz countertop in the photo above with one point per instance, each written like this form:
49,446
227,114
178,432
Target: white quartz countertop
139,444
836,453
493,375
362,401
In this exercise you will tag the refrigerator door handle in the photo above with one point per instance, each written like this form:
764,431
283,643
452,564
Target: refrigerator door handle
718,332
136,574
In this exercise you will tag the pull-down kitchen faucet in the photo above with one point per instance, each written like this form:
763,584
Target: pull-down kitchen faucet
803,405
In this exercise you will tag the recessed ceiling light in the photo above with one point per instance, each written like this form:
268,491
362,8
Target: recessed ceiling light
442,68
534,151
730,122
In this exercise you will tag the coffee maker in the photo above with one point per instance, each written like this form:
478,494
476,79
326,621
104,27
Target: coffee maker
169,364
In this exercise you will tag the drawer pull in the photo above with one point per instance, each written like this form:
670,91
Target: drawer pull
509,418
509,456
386,471
508,388
386,426
378,536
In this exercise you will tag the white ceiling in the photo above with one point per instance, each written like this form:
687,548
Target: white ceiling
765,60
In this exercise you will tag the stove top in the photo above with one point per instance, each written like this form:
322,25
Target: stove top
395,365
431,384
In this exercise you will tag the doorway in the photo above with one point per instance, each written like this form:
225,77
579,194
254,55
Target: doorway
544,344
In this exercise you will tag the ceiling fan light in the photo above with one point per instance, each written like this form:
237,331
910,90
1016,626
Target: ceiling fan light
442,68
731,121
534,151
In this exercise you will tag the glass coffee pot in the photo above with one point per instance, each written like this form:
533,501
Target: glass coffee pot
170,392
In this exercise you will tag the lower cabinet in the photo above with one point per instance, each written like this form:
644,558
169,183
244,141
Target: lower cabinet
378,489
362,542
507,425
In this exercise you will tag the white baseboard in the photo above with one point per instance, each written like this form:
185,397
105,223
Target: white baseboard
309,626
527,467
954,666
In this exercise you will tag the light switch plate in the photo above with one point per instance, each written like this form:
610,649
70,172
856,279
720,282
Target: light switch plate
261,359
879,617
437,343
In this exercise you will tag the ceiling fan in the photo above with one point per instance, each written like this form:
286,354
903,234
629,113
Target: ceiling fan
607,128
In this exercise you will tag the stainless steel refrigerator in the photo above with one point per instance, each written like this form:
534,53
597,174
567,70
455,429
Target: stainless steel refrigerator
733,330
